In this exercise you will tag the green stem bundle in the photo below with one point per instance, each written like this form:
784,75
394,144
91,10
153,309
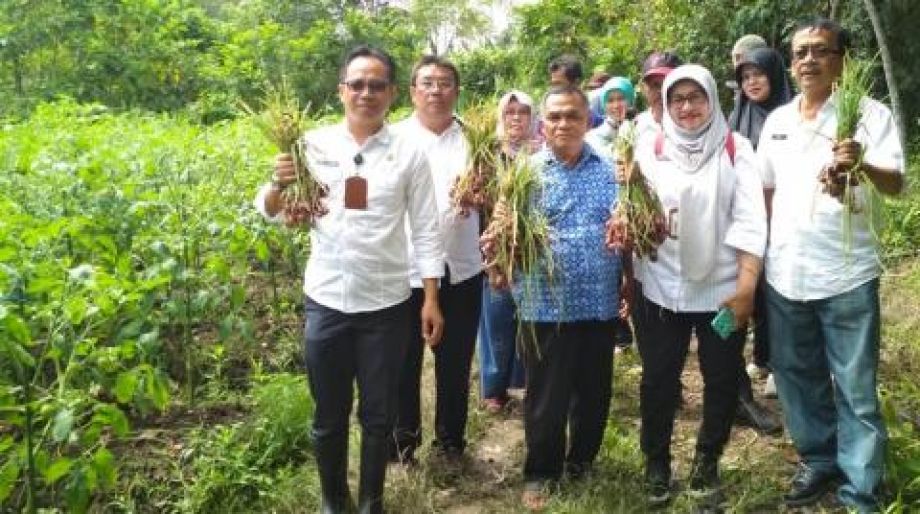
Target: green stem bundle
474,188
520,233
284,122
638,217
854,84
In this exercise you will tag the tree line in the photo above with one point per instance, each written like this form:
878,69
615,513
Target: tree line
201,56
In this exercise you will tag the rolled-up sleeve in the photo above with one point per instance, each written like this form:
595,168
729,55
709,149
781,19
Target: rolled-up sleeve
422,213
879,134
259,203
748,228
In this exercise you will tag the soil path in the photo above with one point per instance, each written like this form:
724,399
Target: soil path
491,477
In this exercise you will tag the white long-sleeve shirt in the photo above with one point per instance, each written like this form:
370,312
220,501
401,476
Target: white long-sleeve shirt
447,158
741,225
809,257
358,258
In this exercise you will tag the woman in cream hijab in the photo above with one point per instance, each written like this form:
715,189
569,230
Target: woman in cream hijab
500,369
712,197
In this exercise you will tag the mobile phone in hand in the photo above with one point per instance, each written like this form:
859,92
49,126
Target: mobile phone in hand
724,323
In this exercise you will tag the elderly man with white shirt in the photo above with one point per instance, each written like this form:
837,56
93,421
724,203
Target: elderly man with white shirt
356,280
432,127
822,294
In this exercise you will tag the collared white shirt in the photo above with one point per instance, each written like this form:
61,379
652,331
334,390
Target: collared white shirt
447,158
358,258
741,225
603,139
809,256
646,126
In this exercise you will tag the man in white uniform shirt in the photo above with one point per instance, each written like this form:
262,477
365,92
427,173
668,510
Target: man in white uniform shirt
434,89
356,281
822,294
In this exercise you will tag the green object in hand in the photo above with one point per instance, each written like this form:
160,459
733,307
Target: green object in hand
724,322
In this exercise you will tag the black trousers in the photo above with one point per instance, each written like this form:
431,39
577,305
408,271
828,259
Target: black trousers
569,368
340,349
761,327
663,341
461,305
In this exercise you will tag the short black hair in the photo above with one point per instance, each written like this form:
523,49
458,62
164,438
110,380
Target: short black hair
841,34
436,61
570,66
565,90
373,53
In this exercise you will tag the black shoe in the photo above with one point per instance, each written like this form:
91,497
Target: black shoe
658,482
704,475
578,470
808,486
752,414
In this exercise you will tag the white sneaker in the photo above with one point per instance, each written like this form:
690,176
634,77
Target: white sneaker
756,372
769,389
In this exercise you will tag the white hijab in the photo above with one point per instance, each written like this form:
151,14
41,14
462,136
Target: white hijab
522,98
697,153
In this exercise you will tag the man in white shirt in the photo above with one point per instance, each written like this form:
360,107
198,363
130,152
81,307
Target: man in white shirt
434,89
356,280
654,69
822,293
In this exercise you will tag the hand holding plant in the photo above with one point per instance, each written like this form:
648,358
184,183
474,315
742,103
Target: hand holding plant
637,221
840,178
283,122
517,237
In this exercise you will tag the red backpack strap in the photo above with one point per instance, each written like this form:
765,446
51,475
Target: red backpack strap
730,147
659,145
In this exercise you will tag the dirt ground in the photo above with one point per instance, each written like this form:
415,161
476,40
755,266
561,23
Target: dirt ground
490,478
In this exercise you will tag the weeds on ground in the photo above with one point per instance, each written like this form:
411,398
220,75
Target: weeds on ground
236,467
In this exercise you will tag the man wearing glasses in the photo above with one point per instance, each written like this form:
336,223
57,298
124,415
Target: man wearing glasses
434,89
822,293
356,280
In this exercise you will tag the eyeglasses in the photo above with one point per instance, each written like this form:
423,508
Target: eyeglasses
431,85
817,51
570,116
694,99
516,112
360,85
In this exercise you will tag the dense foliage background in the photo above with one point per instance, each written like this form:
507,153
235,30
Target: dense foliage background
201,55
149,318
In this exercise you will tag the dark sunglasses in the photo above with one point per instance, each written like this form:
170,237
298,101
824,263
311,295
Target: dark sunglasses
372,85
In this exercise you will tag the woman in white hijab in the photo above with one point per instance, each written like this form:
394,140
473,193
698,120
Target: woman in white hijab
711,194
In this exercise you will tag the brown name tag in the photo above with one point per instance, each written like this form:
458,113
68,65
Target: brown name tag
356,193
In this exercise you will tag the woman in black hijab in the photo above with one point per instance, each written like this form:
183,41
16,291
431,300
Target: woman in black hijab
761,74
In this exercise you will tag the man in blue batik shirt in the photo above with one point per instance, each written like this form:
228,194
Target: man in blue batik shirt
568,320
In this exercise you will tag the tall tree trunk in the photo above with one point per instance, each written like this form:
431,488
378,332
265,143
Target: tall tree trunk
834,4
888,66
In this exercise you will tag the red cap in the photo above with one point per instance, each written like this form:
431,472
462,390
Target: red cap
660,63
